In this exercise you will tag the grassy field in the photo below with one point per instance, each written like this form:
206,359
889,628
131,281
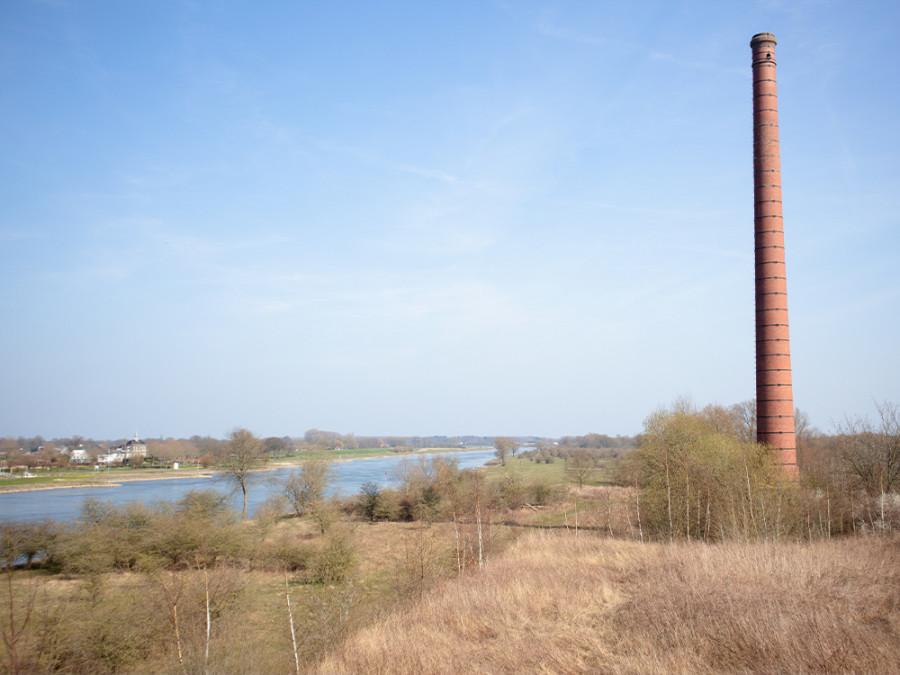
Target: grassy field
555,603
80,476
90,477
554,472
46,480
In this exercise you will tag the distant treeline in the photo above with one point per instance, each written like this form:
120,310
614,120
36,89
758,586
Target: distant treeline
599,442
333,439
38,452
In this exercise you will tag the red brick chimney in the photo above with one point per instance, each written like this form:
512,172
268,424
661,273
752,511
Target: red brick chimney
774,394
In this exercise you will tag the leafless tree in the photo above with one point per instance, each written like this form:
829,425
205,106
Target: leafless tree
871,452
306,487
579,467
504,446
241,460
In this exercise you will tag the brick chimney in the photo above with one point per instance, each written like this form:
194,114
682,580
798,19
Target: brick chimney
774,393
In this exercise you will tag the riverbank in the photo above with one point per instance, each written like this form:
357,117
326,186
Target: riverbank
101,481
115,477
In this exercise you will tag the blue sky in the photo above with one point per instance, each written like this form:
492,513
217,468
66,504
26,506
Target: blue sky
410,217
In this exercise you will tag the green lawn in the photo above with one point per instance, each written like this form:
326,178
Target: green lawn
554,472
47,478
80,475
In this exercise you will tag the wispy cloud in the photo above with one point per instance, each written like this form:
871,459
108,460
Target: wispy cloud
375,159
621,46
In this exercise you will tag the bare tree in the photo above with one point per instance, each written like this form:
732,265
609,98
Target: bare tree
504,446
241,459
871,453
579,466
276,446
306,488
10,453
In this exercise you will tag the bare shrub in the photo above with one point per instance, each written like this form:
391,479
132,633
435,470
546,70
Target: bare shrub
284,553
422,561
325,513
336,612
580,467
871,452
512,488
28,540
336,561
306,487
424,487
106,629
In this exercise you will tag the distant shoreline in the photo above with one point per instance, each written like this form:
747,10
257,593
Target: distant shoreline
103,480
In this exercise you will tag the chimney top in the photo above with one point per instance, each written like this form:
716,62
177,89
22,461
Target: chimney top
763,37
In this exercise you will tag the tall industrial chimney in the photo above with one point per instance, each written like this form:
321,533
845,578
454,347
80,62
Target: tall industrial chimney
774,393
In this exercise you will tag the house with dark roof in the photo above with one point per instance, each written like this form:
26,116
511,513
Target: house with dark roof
127,451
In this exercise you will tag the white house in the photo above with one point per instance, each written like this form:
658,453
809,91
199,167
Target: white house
127,451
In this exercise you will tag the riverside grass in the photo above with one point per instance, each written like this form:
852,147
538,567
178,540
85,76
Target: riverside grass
557,604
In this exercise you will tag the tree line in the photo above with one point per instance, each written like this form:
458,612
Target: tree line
699,474
35,451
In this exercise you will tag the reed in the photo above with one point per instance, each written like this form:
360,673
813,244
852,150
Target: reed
556,604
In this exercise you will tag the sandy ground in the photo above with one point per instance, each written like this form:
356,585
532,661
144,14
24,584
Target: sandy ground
103,480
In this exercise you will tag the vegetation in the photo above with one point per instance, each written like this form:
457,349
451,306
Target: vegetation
688,554
503,447
697,482
305,488
241,459
554,603
56,459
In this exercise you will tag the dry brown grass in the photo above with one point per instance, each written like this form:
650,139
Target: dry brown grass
554,604
552,601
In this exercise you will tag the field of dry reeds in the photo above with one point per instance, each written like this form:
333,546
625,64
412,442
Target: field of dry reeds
555,603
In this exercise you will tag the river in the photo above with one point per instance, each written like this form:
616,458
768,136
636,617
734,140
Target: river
64,504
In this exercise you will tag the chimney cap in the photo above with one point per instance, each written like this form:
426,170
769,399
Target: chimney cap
763,37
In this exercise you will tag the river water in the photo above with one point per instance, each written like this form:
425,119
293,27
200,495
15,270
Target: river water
64,504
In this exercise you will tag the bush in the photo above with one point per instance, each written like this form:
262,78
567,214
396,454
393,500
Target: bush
541,492
387,506
368,499
336,560
284,553
699,483
306,487
512,486
325,513
26,540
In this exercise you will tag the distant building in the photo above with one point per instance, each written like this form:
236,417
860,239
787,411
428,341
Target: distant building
79,456
125,452
133,448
